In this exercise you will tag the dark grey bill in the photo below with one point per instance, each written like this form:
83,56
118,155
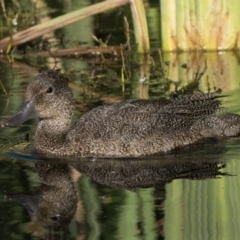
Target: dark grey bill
31,203
27,111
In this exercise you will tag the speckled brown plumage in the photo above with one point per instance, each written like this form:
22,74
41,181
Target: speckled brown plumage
148,173
128,129
56,201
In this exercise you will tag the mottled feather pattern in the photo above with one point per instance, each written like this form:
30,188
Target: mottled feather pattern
130,128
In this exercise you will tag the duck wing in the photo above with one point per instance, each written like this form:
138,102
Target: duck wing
137,127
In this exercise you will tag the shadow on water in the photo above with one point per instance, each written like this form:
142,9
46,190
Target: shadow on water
55,202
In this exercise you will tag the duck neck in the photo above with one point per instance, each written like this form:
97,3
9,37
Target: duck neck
51,134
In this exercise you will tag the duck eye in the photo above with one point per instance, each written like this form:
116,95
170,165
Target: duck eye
55,218
49,90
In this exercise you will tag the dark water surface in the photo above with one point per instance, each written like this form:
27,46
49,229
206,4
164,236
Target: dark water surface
191,194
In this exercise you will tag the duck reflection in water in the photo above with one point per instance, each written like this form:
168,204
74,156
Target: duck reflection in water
57,203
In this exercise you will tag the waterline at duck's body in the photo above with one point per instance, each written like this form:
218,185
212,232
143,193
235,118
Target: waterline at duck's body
128,129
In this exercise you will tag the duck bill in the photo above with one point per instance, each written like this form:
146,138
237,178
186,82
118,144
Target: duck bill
31,203
27,111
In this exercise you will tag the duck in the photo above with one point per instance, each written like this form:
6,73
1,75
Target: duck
131,128
56,200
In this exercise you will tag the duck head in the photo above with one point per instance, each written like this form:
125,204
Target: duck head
47,96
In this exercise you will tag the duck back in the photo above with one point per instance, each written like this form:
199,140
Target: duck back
142,127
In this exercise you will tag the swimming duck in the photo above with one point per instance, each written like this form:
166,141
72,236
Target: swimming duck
130,128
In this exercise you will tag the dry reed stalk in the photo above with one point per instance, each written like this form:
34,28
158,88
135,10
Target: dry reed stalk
139,20
140,25
114,51
40,29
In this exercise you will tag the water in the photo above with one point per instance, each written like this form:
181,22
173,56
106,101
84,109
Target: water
191,194
118,199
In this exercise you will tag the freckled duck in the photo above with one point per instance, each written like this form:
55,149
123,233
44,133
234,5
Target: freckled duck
130,128
56,201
